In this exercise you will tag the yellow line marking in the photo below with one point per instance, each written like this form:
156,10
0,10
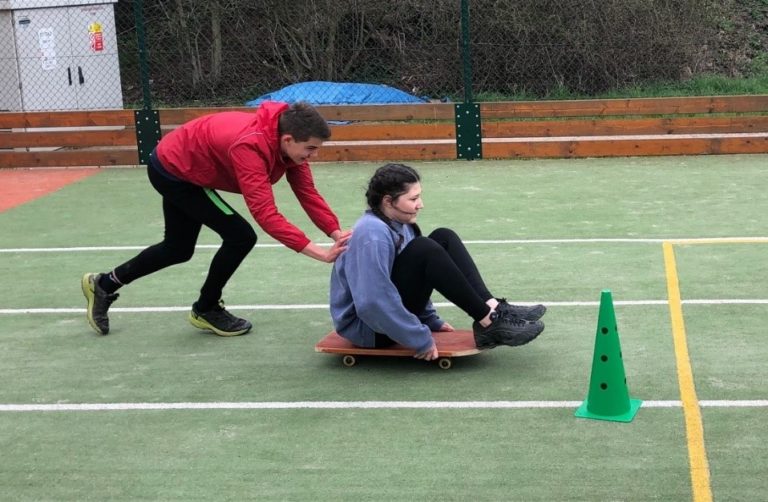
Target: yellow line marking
694,429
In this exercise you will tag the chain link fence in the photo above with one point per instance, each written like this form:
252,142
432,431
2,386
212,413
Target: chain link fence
55,55
550,47
229,52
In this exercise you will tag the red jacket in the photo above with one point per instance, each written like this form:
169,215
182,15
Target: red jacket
240,152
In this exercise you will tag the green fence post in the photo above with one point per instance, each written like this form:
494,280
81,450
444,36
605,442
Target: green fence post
469,140
146,120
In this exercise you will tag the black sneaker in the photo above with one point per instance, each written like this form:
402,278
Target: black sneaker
528,313
98,303
220,321
506,330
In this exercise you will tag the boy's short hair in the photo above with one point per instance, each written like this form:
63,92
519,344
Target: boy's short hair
302,122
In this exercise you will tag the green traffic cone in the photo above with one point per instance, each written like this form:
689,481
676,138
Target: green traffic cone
608,397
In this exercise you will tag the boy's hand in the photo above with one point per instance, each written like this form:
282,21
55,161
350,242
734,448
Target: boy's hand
328,255
338,247
340,234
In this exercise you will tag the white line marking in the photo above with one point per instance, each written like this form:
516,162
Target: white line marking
754,403
549,139
325,306
635,137
158,309
726,302
90,249
345,405
680,240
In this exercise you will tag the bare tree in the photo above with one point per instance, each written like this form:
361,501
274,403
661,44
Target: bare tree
230,50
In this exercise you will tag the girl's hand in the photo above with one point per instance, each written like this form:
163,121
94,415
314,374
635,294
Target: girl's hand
428,355
446,327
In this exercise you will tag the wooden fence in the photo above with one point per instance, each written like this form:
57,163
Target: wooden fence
535,129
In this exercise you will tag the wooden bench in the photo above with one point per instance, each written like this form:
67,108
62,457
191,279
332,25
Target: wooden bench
377,133
65,139
626,127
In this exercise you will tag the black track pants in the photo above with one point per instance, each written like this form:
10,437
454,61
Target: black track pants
186,208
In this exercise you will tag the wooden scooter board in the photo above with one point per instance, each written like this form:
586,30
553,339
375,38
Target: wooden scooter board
450,344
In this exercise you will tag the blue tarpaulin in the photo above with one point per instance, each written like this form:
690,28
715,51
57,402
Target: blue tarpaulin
334,93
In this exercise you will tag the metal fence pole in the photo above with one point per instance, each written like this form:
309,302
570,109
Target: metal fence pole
469,142
466,51
138,13
147,120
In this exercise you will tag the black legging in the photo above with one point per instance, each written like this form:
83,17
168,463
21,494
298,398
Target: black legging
186,208
438,262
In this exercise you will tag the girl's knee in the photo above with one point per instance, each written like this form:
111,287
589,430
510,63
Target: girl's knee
422,245
443,235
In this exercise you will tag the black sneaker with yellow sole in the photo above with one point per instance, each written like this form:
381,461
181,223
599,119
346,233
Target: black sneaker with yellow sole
99,302
220,321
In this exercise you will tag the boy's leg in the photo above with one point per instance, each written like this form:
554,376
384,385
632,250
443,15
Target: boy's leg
192,204
186,208
178,245
238,238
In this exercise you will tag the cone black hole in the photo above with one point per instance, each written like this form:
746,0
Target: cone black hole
603,358
603,386
604,330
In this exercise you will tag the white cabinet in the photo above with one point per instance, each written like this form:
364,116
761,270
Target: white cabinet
64,55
